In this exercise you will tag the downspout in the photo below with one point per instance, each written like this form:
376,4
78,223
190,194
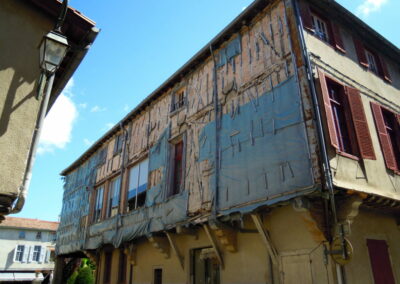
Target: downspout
23,191
214,208
320,132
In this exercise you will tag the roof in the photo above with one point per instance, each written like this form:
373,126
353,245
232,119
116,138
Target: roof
243,19
80,32
26,223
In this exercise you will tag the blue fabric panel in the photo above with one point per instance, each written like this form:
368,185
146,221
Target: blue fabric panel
264,149
231,50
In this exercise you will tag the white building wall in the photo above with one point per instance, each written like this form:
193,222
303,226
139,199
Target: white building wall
9,240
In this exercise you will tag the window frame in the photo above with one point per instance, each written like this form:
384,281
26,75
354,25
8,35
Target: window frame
19,253
138,195
97,214
114,186
179,100
118,144
172,168
325,36
36,253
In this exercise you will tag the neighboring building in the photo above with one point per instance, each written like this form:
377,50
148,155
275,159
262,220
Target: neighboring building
272,156
27,249
23,23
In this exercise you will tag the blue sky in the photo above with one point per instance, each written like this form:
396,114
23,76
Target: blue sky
140,45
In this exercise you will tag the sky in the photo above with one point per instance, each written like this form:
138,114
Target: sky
140,45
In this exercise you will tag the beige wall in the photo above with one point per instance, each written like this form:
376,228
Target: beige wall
21,30
369,176
298,241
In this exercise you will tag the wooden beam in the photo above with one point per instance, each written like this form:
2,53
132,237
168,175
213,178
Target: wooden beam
175,250
265,237
213,244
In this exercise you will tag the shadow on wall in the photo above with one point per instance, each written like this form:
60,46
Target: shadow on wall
10,259
9,103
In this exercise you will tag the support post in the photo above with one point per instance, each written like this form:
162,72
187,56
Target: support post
213,244
175,249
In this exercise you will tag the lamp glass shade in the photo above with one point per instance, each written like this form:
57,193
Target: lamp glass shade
52,51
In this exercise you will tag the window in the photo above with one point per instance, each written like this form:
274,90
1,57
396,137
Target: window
320,28
113,197
138,175
178,100
38,235
19,253
371,60
36,253
388,127
107,266
21,235
118,144
53,236
345,118
122,267
205,267
98,205
177,168
380,262
157,277
102,157
341,117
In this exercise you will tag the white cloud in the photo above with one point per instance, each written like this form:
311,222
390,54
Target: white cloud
370,6
126,107
58,123
244,8
97,108
87,142
83,105
108,126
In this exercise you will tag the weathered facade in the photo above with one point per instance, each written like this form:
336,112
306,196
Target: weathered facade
259,161
22,27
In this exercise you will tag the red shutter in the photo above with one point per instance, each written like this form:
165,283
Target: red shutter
360,124
337,38
328,110
360,50
380,262
306,16
382,68
383,137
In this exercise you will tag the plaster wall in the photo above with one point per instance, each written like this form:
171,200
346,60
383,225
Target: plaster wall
21,31
365,175
372,225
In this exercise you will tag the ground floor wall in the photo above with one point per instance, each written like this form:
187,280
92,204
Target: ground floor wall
292,250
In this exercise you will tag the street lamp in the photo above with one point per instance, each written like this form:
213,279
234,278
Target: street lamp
52,50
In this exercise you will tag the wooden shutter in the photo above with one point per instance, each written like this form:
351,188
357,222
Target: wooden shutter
382,69
15,252
360,124
328,110
337,38
306,16
26,254
380,262
30,253
383,137
42,253
360,50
